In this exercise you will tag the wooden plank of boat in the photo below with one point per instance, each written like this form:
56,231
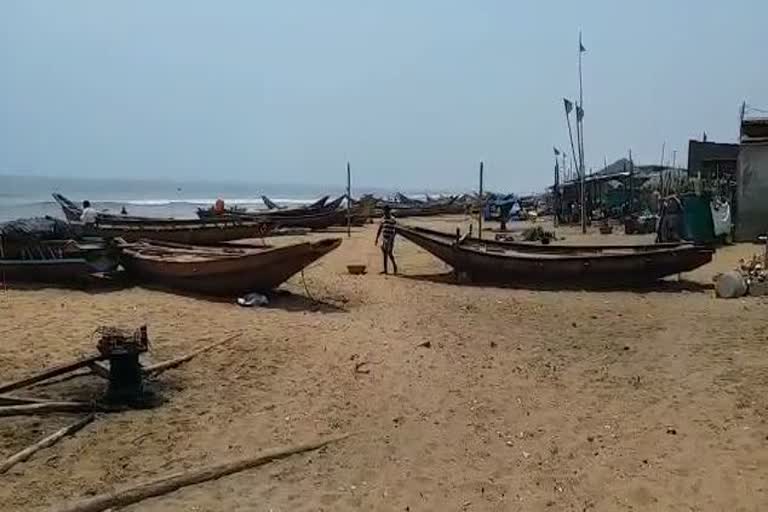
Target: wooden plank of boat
226,271
495,262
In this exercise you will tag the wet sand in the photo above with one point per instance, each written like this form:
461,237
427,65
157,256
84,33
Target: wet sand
524,400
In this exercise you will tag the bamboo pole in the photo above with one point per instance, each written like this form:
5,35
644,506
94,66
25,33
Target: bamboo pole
482,206
349,201
45,407
43,443
164,485
173,363
49,373
21,400
580,132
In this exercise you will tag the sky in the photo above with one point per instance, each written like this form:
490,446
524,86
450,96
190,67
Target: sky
413,93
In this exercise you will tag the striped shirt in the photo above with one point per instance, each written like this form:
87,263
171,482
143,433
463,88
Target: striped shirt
388,230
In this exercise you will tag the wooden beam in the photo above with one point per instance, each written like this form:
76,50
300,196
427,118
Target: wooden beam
45,407
22,400
50,373
43,443
166,484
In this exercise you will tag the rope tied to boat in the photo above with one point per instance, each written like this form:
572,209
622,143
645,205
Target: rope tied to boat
306,288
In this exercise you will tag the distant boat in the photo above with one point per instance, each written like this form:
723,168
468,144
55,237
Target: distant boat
191,231
506,262
320,216
228,271
271,205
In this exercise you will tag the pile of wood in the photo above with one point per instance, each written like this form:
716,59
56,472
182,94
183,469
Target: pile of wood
753,269
113,340
119,340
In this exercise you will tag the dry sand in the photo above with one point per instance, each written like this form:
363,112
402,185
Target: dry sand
524,400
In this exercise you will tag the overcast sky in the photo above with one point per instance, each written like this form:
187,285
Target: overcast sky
413,93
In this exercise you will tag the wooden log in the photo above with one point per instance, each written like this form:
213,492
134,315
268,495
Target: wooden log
173,363
63,378
99,369
43,443
21,400
45,407
171,483
49,373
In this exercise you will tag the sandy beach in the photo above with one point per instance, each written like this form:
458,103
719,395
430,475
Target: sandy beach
521,399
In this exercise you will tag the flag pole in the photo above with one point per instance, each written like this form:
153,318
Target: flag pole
568,107
580,130
349,201
631,183
556,192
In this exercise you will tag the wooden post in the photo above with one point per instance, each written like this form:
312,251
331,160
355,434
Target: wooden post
349,201
661,170
580,132
556,194
482,206
631,183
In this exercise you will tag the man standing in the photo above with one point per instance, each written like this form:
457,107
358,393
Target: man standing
88,217
387,229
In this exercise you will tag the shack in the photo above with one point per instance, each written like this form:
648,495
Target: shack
712,160
752,180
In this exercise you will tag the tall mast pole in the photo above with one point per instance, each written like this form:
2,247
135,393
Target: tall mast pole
349,201
482,206
556,192
580,131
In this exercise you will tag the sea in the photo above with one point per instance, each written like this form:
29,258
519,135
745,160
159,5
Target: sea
30,196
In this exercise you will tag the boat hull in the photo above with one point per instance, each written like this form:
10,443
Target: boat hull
229,276
490,265
186,233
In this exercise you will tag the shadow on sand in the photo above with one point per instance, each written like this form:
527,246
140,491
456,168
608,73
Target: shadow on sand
660,286
93,287
278,299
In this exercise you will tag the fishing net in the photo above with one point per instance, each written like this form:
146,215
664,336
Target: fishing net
35,229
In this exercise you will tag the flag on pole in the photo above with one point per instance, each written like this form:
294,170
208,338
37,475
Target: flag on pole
557,151
581,46
568,105
579,113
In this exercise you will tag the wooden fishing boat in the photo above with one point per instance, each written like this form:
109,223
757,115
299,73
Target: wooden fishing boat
190,231
228,271
275,212
510,262
55,262
73,212
320,203
302,218
185,231
54,271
